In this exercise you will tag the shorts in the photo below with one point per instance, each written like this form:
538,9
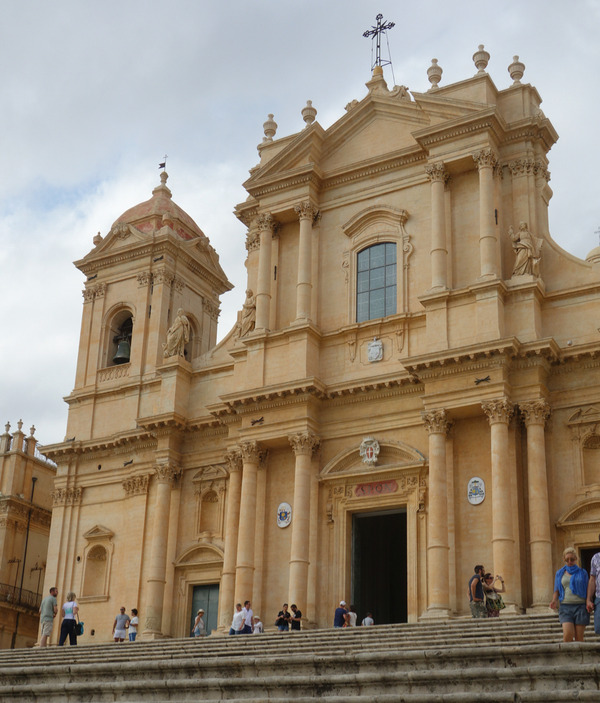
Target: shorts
575,613
478,609
120,634
47,628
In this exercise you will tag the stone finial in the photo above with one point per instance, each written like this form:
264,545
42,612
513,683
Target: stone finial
270,127
97,239
434,73
32,430
20,424
309,113
481,58
7,427
516,70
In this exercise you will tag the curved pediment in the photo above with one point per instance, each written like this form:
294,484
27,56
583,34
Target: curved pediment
585,512
200,554
379,215
391,455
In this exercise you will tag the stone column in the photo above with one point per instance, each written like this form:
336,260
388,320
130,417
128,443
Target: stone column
259,538
165,475
227,587
438,605
439,254
499,413
263,287
488,246
304,445
306,213
244,570
535,413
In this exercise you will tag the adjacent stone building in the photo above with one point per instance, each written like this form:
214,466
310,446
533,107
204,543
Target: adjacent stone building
412,387
26,482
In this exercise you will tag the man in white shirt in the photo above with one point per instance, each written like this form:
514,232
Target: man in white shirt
248,615
237,624
593,592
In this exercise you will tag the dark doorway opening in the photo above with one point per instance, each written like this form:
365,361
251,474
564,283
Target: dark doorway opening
379,565
585,558
207,598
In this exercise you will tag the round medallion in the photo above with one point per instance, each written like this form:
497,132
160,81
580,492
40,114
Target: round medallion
284,514
476,490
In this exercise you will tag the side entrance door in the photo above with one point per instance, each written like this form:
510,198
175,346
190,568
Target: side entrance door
206,597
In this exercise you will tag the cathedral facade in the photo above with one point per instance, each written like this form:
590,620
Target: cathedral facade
412,386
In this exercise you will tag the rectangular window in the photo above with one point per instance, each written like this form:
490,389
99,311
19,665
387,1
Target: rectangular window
376,282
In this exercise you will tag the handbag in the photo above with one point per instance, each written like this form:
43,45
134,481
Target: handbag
79,627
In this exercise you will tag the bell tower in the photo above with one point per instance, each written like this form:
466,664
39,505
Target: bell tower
154,261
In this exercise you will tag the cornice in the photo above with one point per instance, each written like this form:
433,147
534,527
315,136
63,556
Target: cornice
307,173
119,443
484,120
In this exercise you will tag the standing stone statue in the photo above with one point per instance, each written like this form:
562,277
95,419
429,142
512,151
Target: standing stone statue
527,249
248,314
178,336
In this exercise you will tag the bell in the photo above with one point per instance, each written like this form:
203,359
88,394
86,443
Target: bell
123,352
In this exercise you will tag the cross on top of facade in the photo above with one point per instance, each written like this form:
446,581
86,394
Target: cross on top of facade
375,33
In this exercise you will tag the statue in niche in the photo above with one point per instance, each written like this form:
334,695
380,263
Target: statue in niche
178,336
248,314
527,249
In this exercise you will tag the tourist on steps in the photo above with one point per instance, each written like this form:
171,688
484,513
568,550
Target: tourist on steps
70,610
283,619
493,600
199,629
476,600
133,625
570,590
48,611
237,624
368,621
352,617
120,625
593,593
296,618
340,617
248,615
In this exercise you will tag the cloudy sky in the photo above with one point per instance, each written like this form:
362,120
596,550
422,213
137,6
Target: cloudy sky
94,94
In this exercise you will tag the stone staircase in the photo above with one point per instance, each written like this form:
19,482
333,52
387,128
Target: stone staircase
511,659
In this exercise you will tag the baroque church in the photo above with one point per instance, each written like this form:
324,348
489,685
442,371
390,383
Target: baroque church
412,386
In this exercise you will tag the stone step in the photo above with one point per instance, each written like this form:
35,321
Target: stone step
512,659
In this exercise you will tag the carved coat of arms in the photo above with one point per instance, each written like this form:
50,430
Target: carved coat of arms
369,451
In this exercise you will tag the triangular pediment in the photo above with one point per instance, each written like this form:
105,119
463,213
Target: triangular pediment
585,416
98,532
391,455
121,236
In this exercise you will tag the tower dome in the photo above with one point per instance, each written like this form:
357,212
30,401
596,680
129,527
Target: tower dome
151,214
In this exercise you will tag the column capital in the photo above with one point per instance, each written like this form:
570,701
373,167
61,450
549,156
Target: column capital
499,410
266,222
535,412
166,473
437,172
485,158
305,210
304,443
233,459
252,452
436,421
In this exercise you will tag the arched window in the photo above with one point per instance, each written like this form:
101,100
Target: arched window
376,282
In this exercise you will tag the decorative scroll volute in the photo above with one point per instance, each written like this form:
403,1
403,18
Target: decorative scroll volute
500,410
233,459
437,172
486,158
304,443
436,421
166,473
305,210
535,412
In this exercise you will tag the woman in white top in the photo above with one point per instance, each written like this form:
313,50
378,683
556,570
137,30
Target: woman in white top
70,610
352,617
133,625
199,626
